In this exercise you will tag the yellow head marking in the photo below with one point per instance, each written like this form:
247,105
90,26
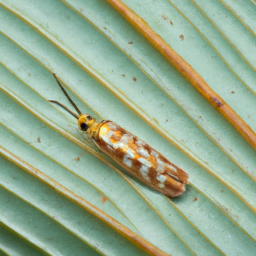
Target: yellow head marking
85,122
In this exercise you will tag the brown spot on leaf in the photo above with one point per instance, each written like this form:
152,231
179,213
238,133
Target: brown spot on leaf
195,199
104,199
181,37
166,18
39,140
134,79
130,42
232,92
216,100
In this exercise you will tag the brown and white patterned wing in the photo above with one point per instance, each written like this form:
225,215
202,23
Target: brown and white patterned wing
141,160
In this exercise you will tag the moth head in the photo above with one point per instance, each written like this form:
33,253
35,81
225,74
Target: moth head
85,121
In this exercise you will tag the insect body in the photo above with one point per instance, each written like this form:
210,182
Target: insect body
134,155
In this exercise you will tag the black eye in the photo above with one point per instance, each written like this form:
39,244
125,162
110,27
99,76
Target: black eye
89,118
84,126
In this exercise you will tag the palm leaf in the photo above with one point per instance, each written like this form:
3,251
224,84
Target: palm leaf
59,194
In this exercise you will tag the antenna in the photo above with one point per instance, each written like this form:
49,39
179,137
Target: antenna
71,101
71,112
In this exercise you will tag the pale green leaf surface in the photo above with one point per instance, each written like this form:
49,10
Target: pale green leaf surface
12,244
111,72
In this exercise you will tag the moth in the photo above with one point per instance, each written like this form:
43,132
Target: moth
134,155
